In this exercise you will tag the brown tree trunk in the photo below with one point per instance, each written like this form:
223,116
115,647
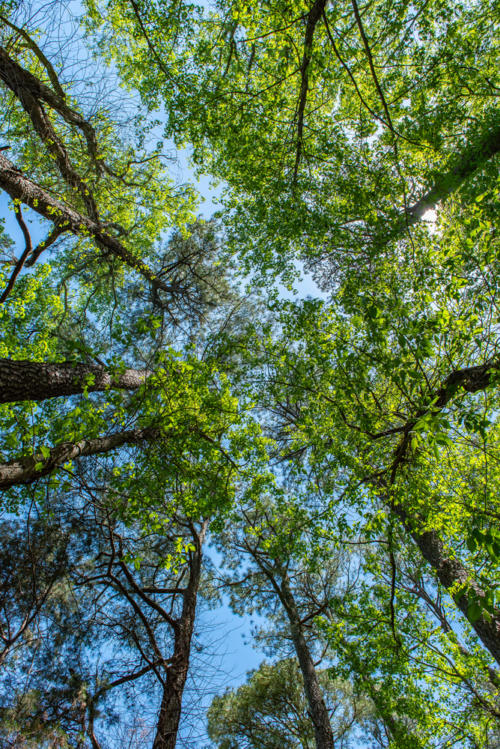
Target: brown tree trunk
32,467
171,704
317,708
318,712
452,574
19,187
29,92
36,381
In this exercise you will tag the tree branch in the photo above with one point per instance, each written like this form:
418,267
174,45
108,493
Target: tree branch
66,218
28,248
30,468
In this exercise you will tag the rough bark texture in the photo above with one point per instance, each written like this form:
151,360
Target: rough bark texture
27,469
19,187
453,574
450,571
318,712
30,92
14,76
171,704
36,381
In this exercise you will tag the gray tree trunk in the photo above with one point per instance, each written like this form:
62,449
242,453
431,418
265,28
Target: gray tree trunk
36,381
27,469
317,708
452,574
450,571
318,712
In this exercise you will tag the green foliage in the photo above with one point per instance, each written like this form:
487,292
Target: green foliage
349,443
270,711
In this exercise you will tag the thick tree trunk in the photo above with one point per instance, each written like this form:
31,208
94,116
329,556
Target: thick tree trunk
452,574
32,467
317,708
171,704
19,187
36,381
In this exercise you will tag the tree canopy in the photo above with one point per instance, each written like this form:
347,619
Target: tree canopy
183,428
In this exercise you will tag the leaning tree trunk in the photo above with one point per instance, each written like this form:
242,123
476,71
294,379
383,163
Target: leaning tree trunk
21,188
171,704
30,468
450,571
453,575
317,708
36,381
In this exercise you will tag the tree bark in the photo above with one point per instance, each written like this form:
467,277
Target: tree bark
318,712
29,468
171,704
36,381
317,708
29,90
452,574
15,76
19,187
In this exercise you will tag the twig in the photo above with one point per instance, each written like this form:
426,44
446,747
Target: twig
28,248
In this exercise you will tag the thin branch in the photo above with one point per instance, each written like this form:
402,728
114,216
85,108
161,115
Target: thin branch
49,240
38,52
28,248
372,66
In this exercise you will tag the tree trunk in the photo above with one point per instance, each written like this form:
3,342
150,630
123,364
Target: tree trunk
36,381
28,90
171,704
317,708
32,467
452,573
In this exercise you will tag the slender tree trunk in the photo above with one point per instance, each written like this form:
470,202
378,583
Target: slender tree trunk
451,573
318,712
36,381
32,467
171,704
14,76
317,708
28,90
